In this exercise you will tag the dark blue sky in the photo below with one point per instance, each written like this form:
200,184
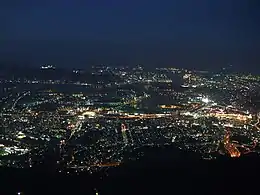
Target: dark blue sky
183,33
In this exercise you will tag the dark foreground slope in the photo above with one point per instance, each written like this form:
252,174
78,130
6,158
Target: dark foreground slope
161,171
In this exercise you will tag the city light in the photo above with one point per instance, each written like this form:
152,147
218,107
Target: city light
205,100
90,127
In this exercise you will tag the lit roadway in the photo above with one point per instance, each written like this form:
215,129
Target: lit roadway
233,148
97,165
141,116
230,147
20,97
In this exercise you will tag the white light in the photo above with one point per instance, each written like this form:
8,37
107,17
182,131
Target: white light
205,100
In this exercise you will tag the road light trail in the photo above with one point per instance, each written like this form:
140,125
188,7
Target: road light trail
20,97
230,147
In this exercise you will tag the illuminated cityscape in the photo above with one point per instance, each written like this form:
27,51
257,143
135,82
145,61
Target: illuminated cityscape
129,97
89,120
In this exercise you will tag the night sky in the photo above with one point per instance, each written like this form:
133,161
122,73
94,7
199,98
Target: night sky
199,34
